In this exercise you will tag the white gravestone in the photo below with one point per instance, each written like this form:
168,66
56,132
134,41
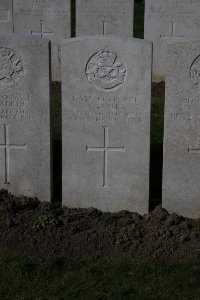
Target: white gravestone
6,16
168,21
25,116
104,17
48,19
106,84
181,172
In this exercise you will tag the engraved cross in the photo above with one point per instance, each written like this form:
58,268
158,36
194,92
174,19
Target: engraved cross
42,32
7,146
173,33
106,149
4,15
104,27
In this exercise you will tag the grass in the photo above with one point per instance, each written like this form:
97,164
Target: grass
139,19
56,116
157,120
38,277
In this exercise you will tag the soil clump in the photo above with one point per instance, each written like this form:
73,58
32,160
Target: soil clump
28,225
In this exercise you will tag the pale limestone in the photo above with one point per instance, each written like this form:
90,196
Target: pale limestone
6,16
104,17
25,117
168,21
181,172
106,96
48,19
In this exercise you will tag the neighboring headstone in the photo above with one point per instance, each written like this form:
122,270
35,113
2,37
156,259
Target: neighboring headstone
25,116
168,21
106,17
6,18
181,172
46,19
106,85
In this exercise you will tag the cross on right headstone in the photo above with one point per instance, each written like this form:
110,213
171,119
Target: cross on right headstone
167,21
116,16
181,158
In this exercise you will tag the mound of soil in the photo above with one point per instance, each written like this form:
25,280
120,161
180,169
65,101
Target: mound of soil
30,226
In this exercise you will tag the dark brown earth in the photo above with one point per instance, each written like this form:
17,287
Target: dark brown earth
158,89
27,225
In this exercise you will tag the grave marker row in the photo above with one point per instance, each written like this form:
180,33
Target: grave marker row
106,85
51,19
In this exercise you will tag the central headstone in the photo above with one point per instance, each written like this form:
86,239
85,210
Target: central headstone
106,84
45,19
104,17
25,117
181,171
168,21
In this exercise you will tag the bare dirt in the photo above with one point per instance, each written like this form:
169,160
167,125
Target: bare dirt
27,225
30,226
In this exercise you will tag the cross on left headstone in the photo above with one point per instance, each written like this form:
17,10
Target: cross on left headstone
25,144
7,146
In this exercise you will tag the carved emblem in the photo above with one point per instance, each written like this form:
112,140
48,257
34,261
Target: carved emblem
195,71
11,68
105,71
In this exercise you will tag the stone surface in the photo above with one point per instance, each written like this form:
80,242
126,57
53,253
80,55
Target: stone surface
168,21
6,18
111,17
25,116
106,84
46,19
181,172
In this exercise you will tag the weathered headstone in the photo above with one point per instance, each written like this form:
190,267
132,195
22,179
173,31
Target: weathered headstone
46,19
25,116
181,173
106,17
168,21
6,16
106,84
